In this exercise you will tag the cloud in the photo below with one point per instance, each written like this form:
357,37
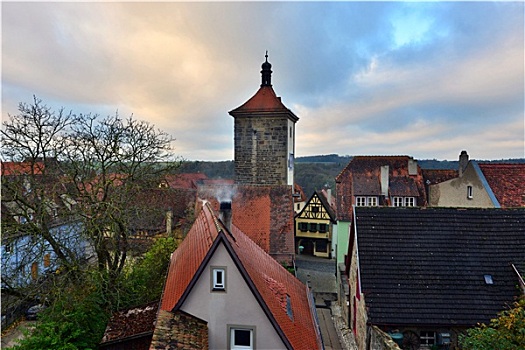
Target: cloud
352,71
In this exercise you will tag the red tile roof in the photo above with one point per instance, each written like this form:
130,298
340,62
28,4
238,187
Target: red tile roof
185,180
264,213
270,282
22,168
507,182
264,99
435,176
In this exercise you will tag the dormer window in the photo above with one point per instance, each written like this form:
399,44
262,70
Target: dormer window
469,192
362,201
404,201
218,279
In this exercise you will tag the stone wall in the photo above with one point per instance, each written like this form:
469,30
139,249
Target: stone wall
380,340
261,150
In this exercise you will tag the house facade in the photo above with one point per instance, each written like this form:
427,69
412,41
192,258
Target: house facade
482,185
314,227
429,274
216,269
373,181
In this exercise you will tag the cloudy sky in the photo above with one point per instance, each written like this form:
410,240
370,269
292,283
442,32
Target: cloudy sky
422,79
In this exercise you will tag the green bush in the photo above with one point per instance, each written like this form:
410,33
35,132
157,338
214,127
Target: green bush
506,332
144,280
76,320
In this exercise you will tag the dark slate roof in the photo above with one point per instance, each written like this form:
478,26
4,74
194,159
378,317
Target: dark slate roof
427,266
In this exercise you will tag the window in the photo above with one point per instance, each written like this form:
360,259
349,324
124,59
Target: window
312,227
241,337
303,226
360,201
323,228
397,202
427,338
404,201
289,310
315,209
218,279
469,192
410,202
34,271
372,201
47,260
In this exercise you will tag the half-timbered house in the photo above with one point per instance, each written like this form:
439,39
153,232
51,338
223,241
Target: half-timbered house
314,227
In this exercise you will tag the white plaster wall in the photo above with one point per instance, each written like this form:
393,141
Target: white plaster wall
453,193
237,306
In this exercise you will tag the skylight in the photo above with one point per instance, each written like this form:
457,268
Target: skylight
488,279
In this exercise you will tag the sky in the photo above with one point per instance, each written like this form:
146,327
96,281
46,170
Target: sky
424,79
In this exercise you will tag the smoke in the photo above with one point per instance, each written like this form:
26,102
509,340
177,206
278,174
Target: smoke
222,193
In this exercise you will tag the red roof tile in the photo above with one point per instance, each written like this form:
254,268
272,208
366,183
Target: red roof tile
264,213
435,176
507,182
270,280
22,168
264,99
185,180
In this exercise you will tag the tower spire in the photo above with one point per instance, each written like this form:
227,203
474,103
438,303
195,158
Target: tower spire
266,72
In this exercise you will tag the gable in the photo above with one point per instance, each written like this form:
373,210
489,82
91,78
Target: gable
316,208
220,309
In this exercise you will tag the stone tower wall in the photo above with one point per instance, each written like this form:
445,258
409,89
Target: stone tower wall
261,150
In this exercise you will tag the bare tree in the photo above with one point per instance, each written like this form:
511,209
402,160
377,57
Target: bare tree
79,169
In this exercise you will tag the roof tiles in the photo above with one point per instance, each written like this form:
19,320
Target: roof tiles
270,280
507,182
427,266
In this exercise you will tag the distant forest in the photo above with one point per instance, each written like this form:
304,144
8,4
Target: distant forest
313,172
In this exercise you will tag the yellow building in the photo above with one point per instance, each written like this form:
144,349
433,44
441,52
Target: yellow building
314,227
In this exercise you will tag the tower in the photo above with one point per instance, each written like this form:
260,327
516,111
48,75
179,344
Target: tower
264,137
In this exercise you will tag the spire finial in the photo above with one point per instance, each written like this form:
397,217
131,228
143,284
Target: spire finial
266,72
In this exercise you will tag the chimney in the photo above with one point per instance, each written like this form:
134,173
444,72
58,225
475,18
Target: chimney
412,166
226,214
463,162
169,222
384,180
329,196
